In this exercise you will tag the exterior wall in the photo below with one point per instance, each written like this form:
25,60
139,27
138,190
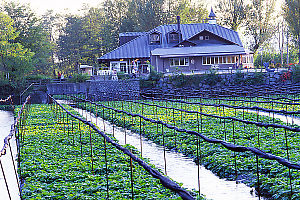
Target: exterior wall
213,39
195,64
67,88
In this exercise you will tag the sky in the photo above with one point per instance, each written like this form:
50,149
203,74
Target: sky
59,6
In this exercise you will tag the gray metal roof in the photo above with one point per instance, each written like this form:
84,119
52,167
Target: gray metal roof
199,51
140,47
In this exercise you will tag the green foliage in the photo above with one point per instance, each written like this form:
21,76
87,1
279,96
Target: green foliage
296,73
274,177
15,60
212,78
38,77
238,78
232,13
56,162
32,34
123,76
152,79
276,57
259,24
256,78
292,14
179,80
79,78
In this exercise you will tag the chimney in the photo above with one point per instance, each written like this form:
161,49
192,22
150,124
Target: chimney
178,23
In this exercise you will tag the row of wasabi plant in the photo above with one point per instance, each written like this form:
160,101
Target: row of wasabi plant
269,177
62,158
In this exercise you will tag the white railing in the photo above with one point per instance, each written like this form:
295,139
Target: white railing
104,72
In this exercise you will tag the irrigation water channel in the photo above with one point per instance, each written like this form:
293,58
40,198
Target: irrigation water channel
6,120
179,167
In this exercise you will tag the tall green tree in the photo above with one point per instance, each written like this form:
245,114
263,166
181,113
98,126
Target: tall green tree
232,13
32,34
259,24
70,42
15,60
292,16
189,12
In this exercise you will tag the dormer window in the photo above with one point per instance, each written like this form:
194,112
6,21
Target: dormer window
201,38
173,37
155,38
206,37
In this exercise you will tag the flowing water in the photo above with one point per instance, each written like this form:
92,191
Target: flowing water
178,166
6,120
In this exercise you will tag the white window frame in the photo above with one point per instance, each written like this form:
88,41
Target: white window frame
214,60
172,37
185,63
157,40
118,66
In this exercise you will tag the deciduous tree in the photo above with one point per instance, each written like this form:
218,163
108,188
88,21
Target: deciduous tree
232,13
259,25
292,16
15,60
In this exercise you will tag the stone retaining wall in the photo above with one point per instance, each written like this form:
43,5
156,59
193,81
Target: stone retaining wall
106,89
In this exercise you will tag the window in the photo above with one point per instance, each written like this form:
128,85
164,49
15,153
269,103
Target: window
216,60
224,59
154,38
208,60
173,37
220,60
179,62
206,37
123,67
201,38
204,60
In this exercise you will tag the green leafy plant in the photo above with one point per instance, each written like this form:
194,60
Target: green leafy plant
38,77
238,77
56,162
296,73
221,161
152,79
123,76
212,78
79,78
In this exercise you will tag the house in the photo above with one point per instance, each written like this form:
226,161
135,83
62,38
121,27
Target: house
86,69
184,47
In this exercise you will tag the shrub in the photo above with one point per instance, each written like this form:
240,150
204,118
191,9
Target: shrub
79,78
212,78
179,80
151,80
257,79
238,78
296,73
38,77
123,76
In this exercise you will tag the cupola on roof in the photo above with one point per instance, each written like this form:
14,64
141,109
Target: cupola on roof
212,14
